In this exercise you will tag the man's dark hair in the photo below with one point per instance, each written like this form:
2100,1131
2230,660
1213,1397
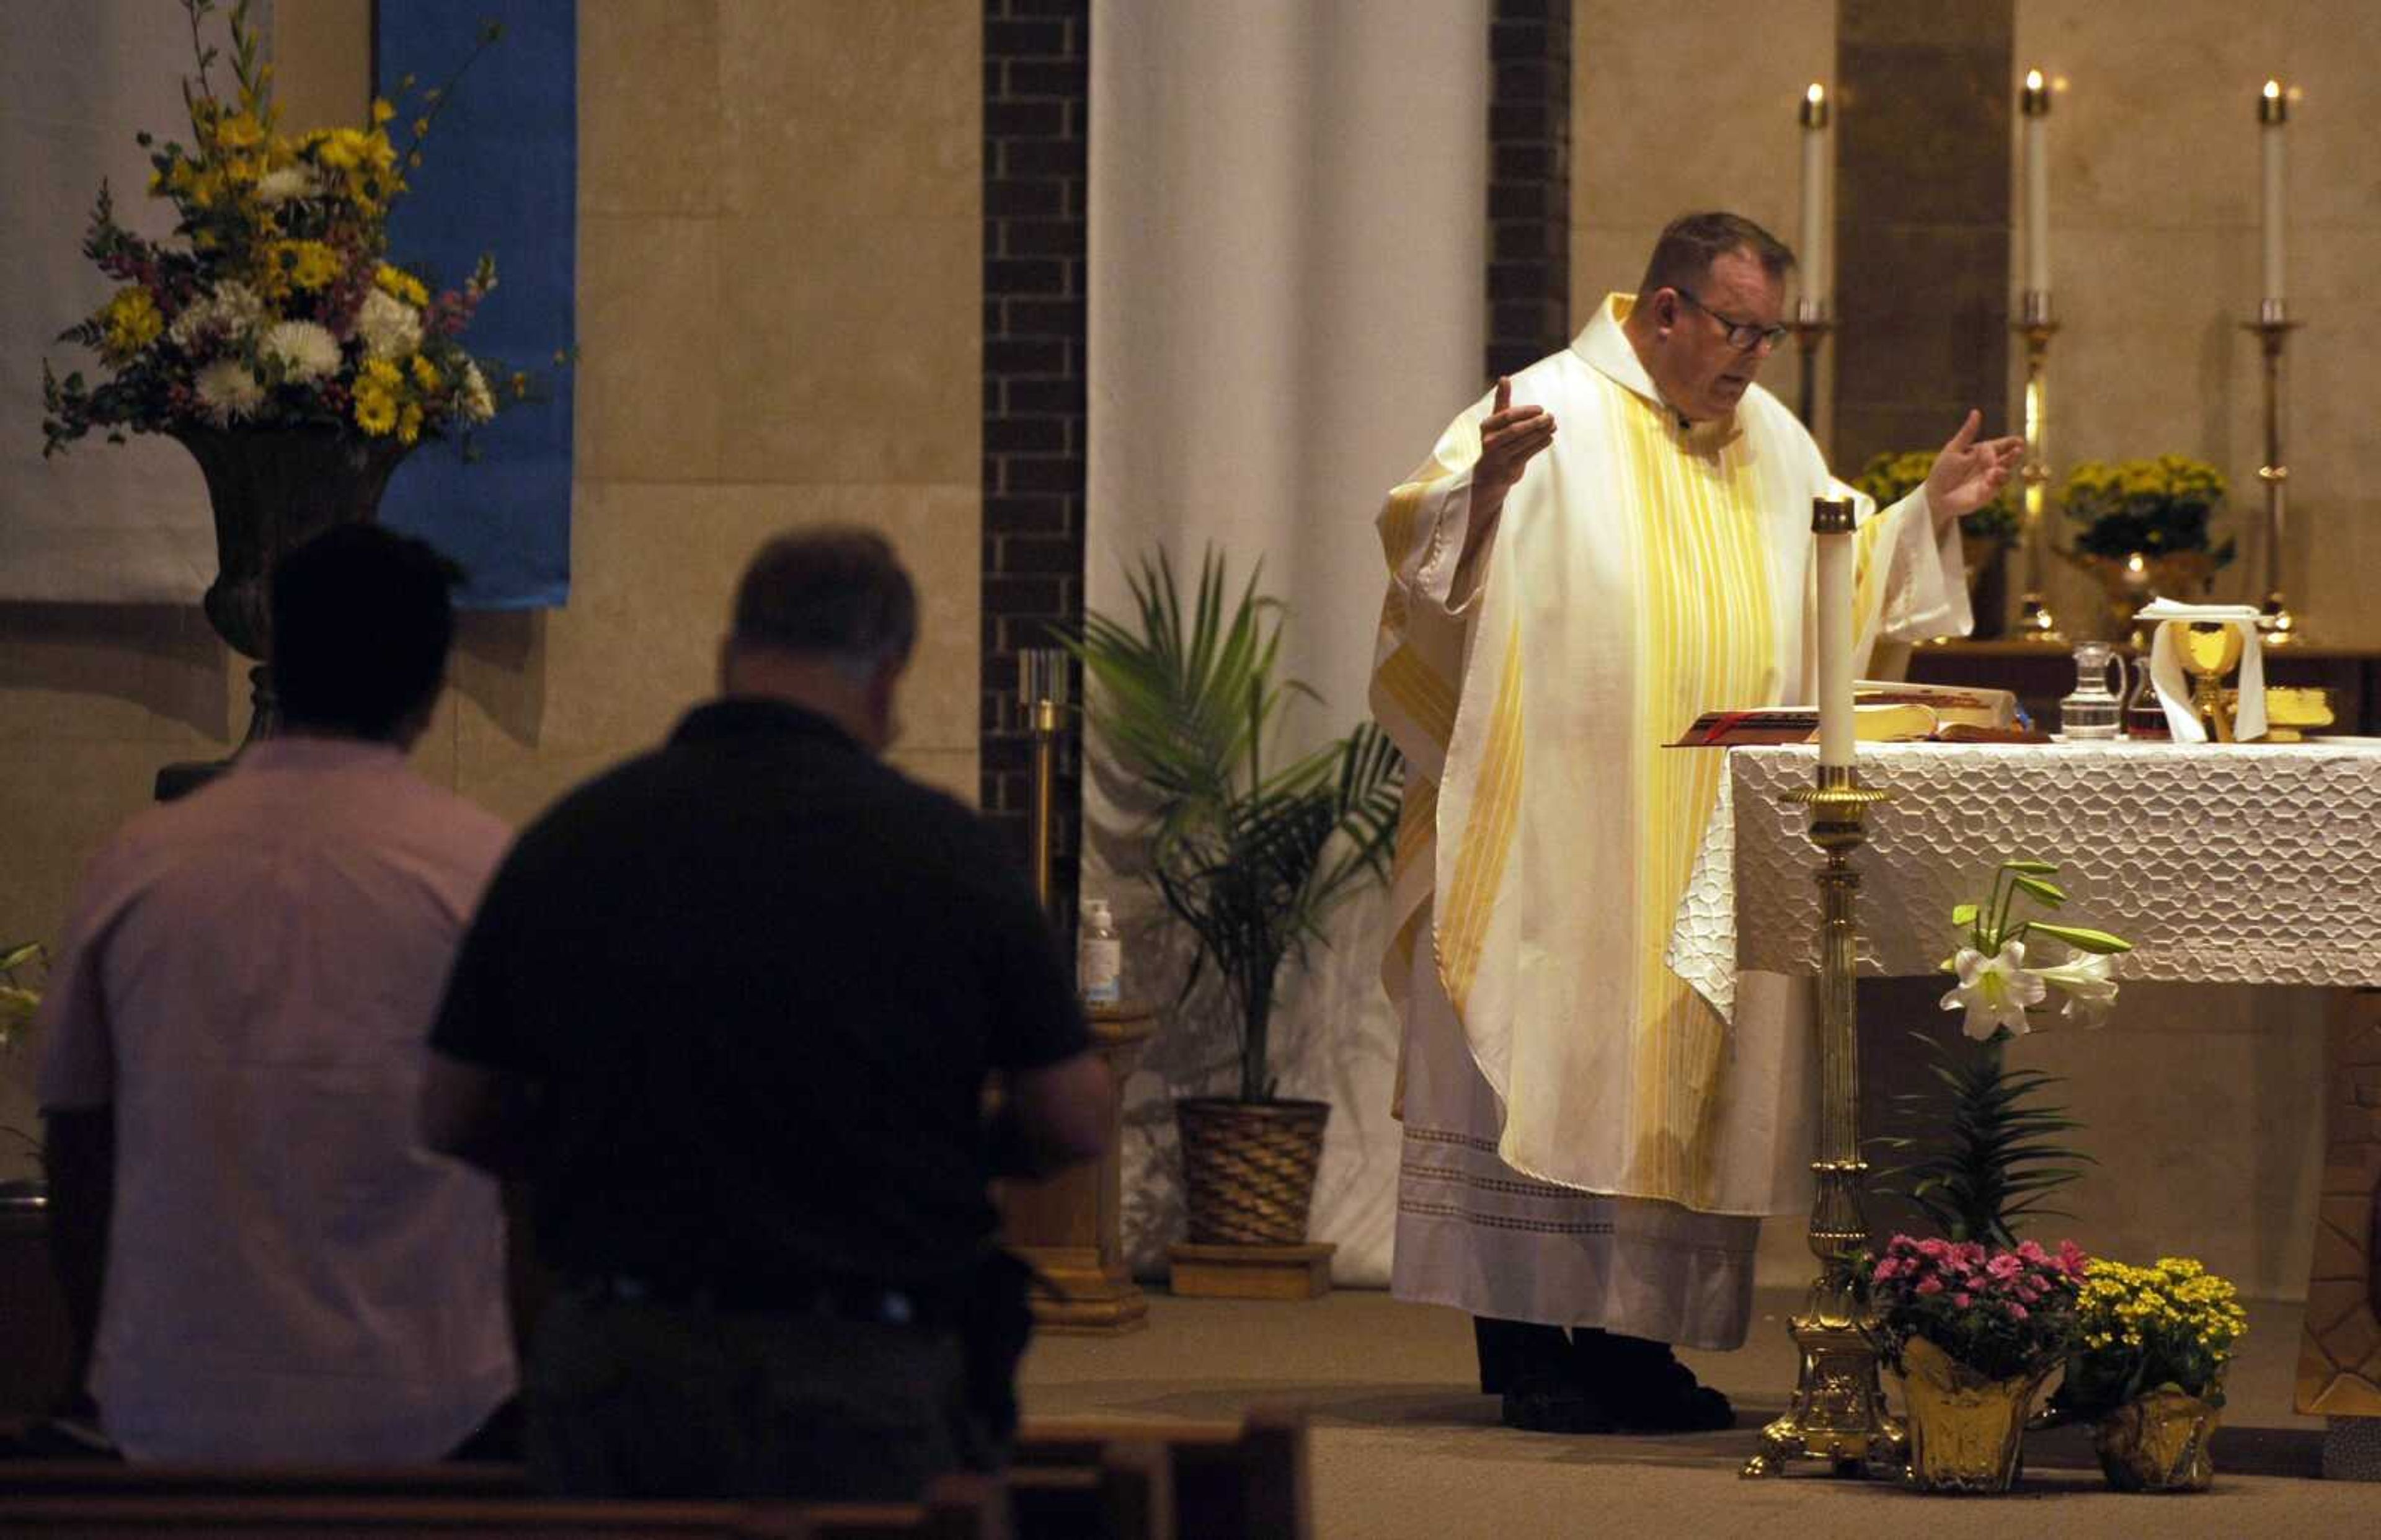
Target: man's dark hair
1684,256
362,617
839,591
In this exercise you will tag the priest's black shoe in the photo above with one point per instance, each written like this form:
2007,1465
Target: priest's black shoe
1544,1402
1643,1388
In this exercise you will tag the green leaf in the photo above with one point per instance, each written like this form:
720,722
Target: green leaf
2031,868
1963,915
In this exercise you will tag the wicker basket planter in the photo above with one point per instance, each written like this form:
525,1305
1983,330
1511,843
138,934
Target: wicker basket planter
1248,1168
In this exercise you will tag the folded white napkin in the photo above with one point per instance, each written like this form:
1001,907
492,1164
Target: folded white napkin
2173,685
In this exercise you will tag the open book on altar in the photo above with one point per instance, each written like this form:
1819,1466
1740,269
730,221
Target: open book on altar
1883,711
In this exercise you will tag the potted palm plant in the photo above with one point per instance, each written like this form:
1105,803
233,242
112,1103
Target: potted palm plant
1250,850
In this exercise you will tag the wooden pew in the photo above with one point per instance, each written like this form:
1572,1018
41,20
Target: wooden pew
1230,1480
1127,1493
215,1505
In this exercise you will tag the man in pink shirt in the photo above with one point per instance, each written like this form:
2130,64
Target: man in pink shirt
235,1040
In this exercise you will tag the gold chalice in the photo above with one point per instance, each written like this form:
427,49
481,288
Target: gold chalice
2209,651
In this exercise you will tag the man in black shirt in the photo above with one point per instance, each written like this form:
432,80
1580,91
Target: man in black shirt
731,1008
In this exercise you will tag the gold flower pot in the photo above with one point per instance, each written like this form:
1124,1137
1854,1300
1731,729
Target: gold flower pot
1965,1430
2158,1443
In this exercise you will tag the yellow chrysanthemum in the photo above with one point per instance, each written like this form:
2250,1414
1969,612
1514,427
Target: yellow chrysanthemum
425,374
375,410
132,320
408,424
397,284
381,111
383,375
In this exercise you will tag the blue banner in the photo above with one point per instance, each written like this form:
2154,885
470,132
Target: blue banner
499,175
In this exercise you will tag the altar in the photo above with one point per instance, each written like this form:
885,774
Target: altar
2236,864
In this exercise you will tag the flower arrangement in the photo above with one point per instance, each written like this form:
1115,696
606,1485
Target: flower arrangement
1998,1312
2169,1325
2152,508
1892,475
274,304
1982,1152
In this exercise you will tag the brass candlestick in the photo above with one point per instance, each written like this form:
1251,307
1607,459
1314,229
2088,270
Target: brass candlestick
2034,620
1041,693
2279,627
1811,328
1838,1411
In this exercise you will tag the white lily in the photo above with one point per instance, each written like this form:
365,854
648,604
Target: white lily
2084,979
1994,991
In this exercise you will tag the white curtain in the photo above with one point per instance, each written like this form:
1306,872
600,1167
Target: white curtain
1287,204
77,80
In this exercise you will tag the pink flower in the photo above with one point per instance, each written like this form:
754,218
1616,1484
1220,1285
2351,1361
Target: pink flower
1969,1254
1963,1299
2032,1252
1930,1286
2017,1312
1887,1270
1935,1248
2004,1266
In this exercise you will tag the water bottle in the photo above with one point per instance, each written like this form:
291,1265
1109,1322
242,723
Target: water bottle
1099,956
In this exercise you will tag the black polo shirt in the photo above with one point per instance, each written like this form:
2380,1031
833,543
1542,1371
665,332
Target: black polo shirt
757,979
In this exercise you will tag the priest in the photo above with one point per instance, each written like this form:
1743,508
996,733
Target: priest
1615,540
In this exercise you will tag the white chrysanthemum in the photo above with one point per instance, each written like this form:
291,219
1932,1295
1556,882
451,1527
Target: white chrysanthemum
227,389
304,349
289,182
478,402
390,327
229,314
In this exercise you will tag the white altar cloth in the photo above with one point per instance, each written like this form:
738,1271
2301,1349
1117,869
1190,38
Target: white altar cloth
2224,863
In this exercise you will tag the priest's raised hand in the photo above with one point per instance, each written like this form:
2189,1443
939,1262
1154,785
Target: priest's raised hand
1968,474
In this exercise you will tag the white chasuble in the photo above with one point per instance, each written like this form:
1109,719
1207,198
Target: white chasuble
1587,1142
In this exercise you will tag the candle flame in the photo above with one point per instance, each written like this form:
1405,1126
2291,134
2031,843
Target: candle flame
1818,94
2135,564
2034,79
2273,89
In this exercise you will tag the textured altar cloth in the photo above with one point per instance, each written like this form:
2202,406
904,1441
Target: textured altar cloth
2231,863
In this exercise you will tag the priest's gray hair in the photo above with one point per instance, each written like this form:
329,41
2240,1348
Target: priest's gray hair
836,592
1684,256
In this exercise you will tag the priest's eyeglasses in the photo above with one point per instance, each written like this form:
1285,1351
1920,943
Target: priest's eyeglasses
1743,335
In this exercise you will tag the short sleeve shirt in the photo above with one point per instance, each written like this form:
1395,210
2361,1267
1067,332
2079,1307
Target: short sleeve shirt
248,980
757,981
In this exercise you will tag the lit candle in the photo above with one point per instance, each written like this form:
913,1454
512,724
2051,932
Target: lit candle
1815,197
2272,111
1831,524
2035,105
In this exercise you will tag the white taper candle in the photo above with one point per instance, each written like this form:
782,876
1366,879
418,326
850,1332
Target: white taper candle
2272,111
2035,106
1814,254
1831,526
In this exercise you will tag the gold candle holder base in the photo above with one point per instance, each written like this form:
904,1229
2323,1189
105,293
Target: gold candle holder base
1838,1412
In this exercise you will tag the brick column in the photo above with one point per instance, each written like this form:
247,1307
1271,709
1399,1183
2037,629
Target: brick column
1036,130
1529,182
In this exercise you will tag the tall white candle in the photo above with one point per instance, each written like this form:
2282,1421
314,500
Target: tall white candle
2035,105
1831,525
2272,111
1814,195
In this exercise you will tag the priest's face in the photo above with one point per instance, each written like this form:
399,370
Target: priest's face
1709,341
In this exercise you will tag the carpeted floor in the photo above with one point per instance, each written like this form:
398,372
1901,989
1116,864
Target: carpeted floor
1403,1446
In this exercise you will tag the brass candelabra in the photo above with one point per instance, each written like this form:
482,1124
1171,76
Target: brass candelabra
2034,620
1041,695
1838,1412
1811,328
2275,621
